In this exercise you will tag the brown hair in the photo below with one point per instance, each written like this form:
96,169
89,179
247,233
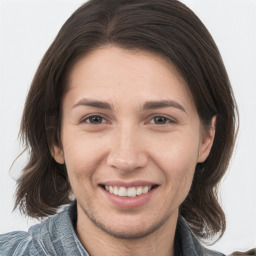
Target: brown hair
165,27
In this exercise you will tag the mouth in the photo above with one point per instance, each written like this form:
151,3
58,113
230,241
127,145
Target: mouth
131,191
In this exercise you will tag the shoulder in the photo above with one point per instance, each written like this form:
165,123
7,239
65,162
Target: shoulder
20,243
37,241
189,243
17,243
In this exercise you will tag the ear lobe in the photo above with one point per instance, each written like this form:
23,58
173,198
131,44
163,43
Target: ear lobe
57,154
207,142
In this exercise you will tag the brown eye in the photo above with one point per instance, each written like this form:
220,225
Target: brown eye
160,120
95,119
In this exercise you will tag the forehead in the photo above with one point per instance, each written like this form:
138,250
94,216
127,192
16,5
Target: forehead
114,73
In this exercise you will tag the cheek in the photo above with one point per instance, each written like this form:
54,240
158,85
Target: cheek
82,156
176,157
177,152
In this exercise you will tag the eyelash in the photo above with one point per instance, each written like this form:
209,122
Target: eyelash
168,120
84,120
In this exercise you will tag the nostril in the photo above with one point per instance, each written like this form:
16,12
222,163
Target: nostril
125,164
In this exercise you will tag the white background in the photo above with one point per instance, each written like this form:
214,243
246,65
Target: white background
28,27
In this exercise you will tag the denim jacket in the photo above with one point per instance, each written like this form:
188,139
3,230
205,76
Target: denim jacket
56,236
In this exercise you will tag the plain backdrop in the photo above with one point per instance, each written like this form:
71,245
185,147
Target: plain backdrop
28,27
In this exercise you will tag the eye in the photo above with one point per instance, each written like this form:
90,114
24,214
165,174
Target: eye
94,119
161,120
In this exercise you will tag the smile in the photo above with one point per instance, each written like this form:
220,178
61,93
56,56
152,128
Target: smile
128,195
129,191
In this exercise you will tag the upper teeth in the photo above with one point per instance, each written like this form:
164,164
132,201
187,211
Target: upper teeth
129,192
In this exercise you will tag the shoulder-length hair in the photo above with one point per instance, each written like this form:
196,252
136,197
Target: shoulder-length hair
165,27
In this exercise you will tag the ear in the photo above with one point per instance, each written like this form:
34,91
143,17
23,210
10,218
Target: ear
207,141
57,154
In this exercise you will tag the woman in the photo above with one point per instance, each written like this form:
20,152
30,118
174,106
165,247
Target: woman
130,119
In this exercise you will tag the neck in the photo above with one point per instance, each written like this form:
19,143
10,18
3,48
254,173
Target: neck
98,242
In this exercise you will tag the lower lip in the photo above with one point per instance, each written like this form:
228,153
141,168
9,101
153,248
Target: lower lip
129,202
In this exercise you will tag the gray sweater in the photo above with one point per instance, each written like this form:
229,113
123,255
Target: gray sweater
56,236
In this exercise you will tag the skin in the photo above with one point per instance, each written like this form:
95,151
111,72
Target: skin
128,143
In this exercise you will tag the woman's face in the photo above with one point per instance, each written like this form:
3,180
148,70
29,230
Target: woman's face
129,125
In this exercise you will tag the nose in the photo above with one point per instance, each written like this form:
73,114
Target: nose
127,152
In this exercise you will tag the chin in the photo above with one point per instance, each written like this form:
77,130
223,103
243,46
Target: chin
129,228
131,232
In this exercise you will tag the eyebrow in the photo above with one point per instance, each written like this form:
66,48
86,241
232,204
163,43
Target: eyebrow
94,103
163,104
146,106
